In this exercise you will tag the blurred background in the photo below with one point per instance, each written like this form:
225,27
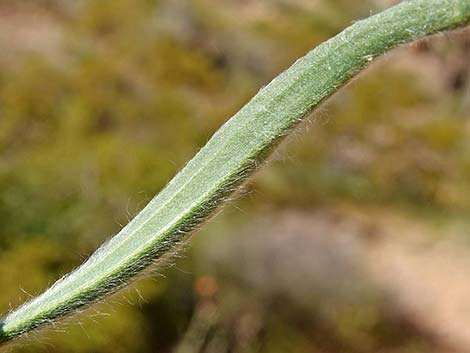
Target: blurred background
354,239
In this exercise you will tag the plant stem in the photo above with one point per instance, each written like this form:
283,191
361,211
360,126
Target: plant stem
232,154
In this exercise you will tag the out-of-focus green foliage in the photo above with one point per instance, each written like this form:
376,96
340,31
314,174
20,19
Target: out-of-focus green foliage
89,134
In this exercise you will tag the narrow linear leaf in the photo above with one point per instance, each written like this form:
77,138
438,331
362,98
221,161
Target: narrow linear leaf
232,154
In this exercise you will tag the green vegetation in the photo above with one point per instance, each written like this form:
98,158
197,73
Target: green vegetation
77,127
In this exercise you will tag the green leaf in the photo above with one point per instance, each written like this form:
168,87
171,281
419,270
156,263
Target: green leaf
235,151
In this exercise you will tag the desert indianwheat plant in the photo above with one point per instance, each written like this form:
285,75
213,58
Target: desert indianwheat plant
234,152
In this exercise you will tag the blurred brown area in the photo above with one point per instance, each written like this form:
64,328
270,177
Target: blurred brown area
355,237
